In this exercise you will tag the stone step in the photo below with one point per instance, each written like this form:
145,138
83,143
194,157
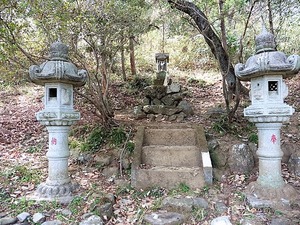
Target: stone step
168,177
160,155
170,137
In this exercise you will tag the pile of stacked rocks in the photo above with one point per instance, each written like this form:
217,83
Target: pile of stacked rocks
163,101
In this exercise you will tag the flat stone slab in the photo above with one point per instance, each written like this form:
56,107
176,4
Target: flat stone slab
184,204
258,203
161,155
168,177
164,218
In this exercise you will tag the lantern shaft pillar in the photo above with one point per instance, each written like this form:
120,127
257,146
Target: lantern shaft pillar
269,154
58,154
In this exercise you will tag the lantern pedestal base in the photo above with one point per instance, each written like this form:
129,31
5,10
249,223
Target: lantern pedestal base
259,196
60,193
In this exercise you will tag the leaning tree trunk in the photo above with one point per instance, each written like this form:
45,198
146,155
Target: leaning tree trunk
216,47
132,56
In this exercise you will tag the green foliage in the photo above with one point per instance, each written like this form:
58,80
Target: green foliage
253,137
138,83
199,214
197,82
233,45
34,149
130,147
24,174
182,188
241,196
155,192
76,204
205,190
124,190
117,136
221,125
96,138
23,205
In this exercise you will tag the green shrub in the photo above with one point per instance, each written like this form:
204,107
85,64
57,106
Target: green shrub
130,147
95,140
253,137
117,136
138,83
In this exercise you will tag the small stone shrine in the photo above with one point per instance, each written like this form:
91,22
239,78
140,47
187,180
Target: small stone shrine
266,70
162,60
164,99
58,76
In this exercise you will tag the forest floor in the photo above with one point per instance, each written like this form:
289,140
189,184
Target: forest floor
23,146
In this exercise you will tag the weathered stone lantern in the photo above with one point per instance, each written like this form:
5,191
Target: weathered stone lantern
58,76
266,70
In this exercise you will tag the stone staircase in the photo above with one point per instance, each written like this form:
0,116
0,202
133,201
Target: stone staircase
167,155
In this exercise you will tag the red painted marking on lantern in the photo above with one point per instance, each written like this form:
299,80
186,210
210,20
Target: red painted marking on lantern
53,141
273,138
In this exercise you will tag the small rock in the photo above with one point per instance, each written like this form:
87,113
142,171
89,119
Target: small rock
251,221
180,117
221,207
3,214
92,220
105,210
159,118
200,203
66,212
258,203
222,220
121,182
110,171
53,222
294,164
184,204
216,113
38,218
8,220
126,164
186,108
173,88
23,216
138,112
111,198
281,221
163,218
103,160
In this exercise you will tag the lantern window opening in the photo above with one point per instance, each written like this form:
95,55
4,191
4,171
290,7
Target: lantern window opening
273,87
52,94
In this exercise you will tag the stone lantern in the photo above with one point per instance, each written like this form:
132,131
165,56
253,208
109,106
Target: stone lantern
58,76
266,71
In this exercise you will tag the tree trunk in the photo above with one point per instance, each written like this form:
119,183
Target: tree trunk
210,37
132,56
270,17
217,48
123,63
222,24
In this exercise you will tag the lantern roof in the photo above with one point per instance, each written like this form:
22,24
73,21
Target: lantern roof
267,60
58,69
